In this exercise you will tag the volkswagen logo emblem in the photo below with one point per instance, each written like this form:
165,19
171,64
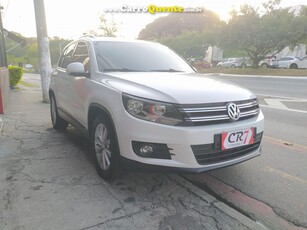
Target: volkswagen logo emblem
233,111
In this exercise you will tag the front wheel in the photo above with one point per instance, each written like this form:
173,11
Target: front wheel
264,65
57,122
105,149
293,66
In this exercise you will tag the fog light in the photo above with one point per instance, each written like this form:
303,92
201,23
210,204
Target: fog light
151,150
146,150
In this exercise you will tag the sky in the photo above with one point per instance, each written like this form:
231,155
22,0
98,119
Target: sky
71,18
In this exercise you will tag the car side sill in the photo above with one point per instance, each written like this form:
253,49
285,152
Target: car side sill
74,122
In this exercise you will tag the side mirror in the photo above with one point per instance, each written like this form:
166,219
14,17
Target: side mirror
76,69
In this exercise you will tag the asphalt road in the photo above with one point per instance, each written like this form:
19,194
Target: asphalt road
279,176
295,87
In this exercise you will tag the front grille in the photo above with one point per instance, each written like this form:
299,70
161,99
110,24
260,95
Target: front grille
215,113
210,153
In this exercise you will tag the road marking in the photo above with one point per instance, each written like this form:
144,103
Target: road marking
275,103
282,97
286,175
262,76
289,110
286,144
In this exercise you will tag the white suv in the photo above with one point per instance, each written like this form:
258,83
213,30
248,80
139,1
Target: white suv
143,105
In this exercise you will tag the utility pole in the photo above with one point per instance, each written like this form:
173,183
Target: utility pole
3,59
43,47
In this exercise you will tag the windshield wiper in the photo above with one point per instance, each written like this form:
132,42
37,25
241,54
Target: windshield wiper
166,70
122,70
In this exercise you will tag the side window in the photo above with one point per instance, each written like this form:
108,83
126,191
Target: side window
66,57
81,55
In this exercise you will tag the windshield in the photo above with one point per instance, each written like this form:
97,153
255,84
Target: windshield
138,57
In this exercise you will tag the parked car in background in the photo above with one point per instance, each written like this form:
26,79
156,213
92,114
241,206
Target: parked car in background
229,63
245,62
202,63
299,64
285,62
28,67
269,62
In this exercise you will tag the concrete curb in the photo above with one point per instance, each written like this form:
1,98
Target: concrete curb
218,204
254,76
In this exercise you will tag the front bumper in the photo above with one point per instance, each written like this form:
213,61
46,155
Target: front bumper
180,141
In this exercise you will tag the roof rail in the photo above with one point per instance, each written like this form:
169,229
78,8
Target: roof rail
88,36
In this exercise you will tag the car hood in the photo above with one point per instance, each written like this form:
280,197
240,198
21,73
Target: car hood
182,88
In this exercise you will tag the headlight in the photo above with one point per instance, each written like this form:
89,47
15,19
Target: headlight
153,111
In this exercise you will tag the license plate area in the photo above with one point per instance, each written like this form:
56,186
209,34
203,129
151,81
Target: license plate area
237,138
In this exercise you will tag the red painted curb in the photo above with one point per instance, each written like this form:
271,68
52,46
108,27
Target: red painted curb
259,210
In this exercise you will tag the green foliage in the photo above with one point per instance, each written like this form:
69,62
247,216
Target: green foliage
176,24
15,75
188,44
188,34
261,35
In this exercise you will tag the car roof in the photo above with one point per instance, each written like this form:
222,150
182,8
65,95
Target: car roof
113,39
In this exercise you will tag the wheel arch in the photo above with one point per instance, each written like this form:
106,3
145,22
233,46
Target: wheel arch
95,110
293,66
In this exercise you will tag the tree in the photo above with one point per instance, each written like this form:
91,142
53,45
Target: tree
178,23
260,35
109,28
189,34
190,44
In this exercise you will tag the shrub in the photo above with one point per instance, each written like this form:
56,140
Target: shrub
15,74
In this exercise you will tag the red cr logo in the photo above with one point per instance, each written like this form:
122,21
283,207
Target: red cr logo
240,136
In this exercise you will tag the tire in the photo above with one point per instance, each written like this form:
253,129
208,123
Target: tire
293,66
264,65
105,149
57,122
243,66
219,66
233,66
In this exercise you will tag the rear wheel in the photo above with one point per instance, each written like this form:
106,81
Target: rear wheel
233,66
57,121
293,66
243,66
105,149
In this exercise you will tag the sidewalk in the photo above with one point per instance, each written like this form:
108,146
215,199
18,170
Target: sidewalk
49,182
